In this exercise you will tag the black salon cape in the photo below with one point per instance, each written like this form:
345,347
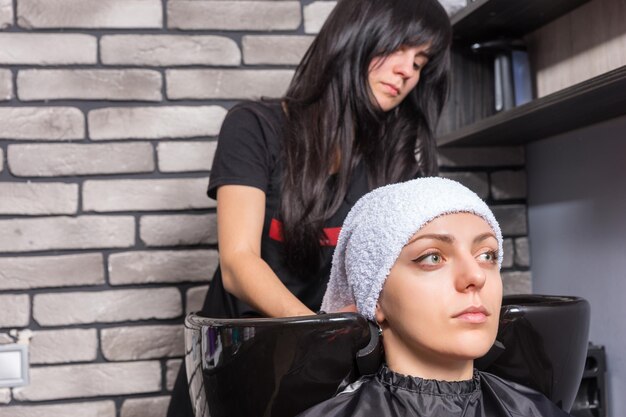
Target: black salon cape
389,394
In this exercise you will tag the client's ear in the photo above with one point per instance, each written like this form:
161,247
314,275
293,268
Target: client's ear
379,315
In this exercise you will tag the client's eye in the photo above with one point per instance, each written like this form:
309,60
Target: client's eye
432,258
489,256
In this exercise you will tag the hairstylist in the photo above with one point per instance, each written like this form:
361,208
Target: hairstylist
360,113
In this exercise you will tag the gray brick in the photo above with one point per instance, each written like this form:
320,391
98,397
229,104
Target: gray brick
155,122
226,84
275,50
142,407
186,156
6,13
482,157
195,298
507,248
105,14
63,346
177,230
5,398
522,252
233,15
475,181
82,232
15,311
518,282
41,123
146,195
169,50
315,15
6,84
92,408
512,219
92,380
141,267
47,49
53,160
1,159
171,372
38,198
59,84
508,185
112,306
51,271
142,342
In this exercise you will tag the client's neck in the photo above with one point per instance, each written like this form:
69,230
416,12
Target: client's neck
426,365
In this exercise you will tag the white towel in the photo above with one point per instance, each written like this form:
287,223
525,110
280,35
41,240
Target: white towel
380,224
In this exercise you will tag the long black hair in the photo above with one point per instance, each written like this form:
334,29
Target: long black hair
334,122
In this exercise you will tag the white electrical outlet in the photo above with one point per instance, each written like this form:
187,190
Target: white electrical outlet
13,365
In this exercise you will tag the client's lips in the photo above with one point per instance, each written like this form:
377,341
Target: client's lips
473,314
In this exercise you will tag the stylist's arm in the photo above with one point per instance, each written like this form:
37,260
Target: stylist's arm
240,214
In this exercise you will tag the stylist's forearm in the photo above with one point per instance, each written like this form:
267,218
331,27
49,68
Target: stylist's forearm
250,279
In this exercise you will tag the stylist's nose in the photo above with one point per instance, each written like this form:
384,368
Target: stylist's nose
403,65
469,275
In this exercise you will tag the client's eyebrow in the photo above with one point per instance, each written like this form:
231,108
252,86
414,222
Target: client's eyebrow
450,239
441,237
484,236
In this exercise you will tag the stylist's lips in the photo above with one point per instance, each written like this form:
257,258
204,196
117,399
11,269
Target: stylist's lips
391,89
473,314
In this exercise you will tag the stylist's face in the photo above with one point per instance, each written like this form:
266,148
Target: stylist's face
392,77
441,300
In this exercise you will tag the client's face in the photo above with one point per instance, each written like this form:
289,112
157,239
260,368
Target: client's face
441,300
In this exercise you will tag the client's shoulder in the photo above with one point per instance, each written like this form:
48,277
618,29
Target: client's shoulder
518,399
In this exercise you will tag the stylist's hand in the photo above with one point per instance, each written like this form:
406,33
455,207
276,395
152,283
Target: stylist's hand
348,309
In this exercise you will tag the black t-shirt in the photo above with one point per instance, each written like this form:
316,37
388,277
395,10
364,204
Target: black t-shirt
249,153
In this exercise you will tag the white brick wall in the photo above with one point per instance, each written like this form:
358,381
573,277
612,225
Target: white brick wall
63,346
6,13
162,266
41,123
142,342
47,49
93,380
106,306
38,198
155,122
6,85
99,14
96,409
51,271
55,160
234,15
165,50
121,85
110,111
226,84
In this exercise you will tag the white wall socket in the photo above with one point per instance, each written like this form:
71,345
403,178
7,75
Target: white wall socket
13,365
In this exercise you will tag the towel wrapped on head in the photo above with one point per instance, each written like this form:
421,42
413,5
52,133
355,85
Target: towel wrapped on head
380,224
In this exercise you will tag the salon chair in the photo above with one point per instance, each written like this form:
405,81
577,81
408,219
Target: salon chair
280,367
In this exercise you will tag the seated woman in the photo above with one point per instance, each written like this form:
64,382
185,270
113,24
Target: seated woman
422,259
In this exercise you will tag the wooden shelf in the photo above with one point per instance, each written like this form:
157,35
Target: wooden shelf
488,19
600,98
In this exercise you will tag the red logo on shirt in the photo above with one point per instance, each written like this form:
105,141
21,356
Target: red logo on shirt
331,233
